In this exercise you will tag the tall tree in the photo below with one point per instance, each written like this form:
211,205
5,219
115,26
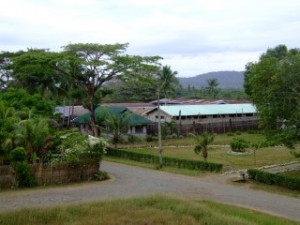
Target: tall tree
273,84
93,65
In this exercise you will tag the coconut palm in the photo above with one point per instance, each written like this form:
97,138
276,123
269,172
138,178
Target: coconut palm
167,81
202,142
117,123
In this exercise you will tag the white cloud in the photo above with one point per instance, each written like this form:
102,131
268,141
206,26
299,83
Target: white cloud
194,36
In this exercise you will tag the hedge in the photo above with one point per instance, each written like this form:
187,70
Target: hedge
292,183
167,161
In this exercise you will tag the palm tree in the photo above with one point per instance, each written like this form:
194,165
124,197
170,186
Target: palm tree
32,134
167,80
7,120
117,123
202,142
212,87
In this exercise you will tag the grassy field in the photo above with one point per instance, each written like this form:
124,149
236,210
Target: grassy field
220,139
220,154
143,211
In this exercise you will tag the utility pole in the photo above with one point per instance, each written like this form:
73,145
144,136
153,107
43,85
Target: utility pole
160,149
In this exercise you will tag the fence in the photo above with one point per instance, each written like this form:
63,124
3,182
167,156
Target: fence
46,174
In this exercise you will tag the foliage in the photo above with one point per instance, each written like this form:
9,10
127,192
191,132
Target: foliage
296,154
117,123
273,84
97,64
18,154
135,139
33,135
202,142
212,88
83,67
8,119
239,145
23,175
26,104
168,161
274,179
75,147
102,175
167,81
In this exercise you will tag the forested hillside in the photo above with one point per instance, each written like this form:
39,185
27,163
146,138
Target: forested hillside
226,79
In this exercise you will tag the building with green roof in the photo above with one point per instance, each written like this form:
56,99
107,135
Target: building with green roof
137,125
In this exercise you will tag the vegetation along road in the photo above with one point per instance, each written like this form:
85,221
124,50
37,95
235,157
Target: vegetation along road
129,181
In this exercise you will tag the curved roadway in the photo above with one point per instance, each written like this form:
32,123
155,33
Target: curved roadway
130,181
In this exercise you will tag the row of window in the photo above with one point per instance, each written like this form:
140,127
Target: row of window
213,116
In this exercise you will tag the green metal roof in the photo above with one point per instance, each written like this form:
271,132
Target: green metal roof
211,109
103,111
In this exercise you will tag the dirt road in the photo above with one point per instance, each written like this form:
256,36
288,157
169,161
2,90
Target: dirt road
129,181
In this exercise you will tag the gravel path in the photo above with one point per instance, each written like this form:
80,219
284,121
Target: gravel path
129,181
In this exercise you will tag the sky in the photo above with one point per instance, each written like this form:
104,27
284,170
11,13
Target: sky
192,36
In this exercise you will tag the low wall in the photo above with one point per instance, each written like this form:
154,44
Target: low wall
46,174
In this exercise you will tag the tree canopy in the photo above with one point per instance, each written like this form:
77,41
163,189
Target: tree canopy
80,71
273,84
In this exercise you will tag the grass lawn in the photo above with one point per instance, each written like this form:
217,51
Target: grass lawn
141,211
219,154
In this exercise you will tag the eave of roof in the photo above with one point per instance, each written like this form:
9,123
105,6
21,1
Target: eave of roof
210,109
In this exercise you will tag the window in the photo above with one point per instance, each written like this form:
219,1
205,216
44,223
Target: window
139,129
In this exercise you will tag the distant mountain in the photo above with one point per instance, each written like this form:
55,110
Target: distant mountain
226,79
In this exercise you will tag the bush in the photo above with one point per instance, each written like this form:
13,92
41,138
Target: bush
292,183
23,175
102,175
18,154
230,134
167,161
134,139
239,145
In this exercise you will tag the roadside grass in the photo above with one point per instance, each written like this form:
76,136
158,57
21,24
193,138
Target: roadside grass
144,210
182,171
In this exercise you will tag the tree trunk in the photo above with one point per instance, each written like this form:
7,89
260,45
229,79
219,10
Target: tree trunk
204,153
90,107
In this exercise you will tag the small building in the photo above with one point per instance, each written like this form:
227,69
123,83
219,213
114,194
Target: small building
68,113
217,118
137,124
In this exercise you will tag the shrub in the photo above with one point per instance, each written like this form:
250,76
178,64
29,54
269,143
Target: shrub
239,145
23,175
18,154
134,139
229,134
167,161
292,183
75,147
102,175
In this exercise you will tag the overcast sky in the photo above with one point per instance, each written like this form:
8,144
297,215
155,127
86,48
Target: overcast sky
193,36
